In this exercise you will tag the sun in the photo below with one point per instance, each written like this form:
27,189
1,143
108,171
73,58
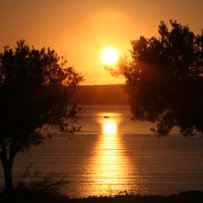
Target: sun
109,56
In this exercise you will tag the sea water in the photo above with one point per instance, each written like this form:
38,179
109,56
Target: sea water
114,154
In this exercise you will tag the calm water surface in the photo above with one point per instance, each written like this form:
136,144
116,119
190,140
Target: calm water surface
112,154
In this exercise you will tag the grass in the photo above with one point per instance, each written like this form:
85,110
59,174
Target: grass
25,195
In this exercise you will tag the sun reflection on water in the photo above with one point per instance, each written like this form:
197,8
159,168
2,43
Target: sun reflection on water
109,127
110,160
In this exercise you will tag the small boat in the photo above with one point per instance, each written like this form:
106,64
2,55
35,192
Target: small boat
106,116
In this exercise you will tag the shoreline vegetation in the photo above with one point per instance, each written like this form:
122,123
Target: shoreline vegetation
48,190
25,195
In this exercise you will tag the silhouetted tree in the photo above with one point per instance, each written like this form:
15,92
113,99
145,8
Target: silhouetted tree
36,99
164,79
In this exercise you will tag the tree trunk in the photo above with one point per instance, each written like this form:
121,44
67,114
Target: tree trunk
7,166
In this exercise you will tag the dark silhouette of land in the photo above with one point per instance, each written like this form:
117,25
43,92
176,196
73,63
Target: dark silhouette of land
102,94
41,197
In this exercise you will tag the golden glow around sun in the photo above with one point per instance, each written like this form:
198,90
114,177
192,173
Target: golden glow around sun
109,56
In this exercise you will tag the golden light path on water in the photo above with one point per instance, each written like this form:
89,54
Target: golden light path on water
110,166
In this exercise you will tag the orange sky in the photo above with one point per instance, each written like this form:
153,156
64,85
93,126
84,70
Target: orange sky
80,29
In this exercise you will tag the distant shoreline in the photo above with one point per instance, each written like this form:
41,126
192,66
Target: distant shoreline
102,95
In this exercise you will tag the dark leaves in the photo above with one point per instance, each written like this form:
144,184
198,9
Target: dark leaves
164,79
36,89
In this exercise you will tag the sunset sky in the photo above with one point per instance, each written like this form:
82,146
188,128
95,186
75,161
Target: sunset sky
80,29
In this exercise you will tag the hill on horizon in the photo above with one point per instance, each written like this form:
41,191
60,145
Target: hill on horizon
102,94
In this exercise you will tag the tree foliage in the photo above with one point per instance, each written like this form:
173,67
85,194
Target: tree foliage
164,79
36,95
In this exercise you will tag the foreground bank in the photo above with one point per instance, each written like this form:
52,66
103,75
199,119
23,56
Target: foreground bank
23,196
